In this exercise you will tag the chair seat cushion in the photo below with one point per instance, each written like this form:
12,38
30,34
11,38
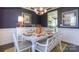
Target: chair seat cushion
40,48
42,41
24,44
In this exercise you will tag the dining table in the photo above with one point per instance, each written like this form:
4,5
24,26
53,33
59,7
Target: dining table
35,38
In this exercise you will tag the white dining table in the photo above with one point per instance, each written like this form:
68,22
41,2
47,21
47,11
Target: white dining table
34,39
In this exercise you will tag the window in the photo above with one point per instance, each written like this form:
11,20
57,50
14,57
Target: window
52,18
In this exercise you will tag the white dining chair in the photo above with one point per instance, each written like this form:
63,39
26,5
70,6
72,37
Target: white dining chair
21,45
46,45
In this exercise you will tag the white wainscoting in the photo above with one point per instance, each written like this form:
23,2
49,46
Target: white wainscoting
6,34
70,35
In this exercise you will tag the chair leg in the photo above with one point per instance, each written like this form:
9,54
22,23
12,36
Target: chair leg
60,46
29,49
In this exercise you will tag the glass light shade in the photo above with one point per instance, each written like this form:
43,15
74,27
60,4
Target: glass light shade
35,10
45,11
20,18
20,21
40,11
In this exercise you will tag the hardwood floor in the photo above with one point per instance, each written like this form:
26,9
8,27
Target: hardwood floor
57,48
66,48
6,46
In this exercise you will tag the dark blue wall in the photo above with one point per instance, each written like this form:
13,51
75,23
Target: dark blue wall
1,21
60,10
44,20
9,17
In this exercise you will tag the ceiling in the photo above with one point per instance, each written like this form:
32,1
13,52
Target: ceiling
48,8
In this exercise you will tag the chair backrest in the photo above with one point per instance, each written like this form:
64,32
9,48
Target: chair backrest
52,42
15,40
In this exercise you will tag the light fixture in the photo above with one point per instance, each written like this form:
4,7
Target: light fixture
20,18
40,10
20,21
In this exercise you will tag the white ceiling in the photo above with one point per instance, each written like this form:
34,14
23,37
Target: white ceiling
48,8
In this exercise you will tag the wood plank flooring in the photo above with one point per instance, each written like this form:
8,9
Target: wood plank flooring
65,46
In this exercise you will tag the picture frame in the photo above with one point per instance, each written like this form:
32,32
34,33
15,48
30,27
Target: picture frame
27,18
70,18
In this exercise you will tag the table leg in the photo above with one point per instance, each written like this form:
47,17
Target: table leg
33,46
